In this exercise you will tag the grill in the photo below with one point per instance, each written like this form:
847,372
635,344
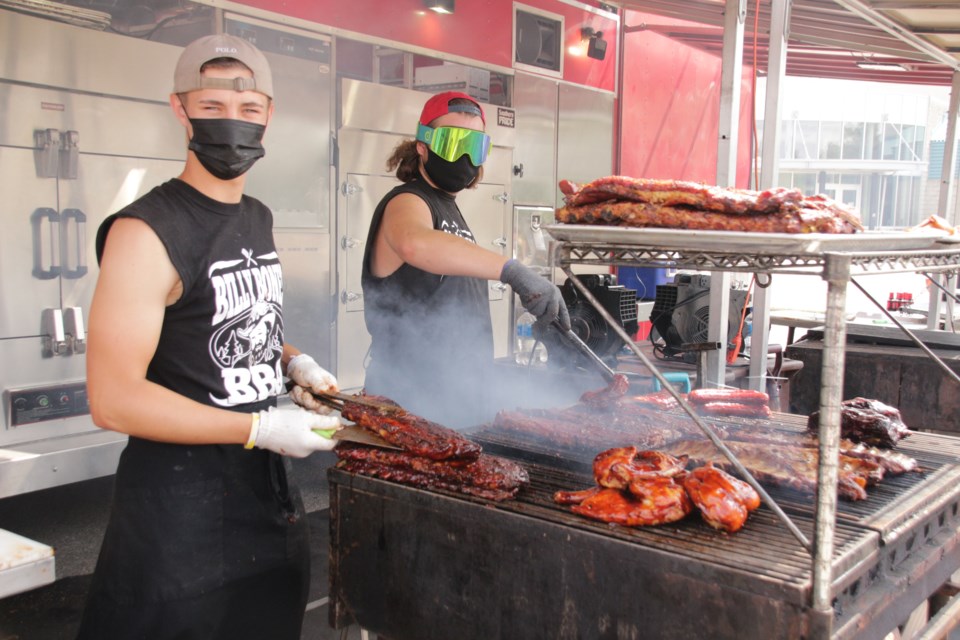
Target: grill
409,563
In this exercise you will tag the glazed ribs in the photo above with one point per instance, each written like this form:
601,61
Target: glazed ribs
487,476
410,432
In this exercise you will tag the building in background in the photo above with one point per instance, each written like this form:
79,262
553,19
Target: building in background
876,147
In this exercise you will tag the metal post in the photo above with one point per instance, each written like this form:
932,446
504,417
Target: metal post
837,275
728,136
769,173
730,75
949,147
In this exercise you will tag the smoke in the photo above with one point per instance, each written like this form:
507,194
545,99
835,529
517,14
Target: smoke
434,356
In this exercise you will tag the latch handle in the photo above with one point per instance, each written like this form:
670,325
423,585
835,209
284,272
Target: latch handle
75,334
69,154
51,329
46,152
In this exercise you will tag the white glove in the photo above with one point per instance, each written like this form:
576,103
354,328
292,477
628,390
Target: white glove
306,400
305,371
309,376
292,431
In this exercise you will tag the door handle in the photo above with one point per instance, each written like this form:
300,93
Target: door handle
346,242
500,242
76,219
350,296
51,242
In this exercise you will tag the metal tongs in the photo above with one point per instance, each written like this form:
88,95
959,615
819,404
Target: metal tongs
581,346
338,400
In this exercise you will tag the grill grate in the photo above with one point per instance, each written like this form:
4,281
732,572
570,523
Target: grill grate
901,513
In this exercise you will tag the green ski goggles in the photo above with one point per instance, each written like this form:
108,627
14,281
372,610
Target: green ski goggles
450,143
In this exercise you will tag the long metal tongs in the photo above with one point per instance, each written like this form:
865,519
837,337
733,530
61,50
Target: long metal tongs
337,400
581,346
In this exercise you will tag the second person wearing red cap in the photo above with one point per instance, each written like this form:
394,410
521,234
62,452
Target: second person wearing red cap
425,279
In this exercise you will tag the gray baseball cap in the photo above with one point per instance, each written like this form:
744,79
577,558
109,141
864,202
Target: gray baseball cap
187,76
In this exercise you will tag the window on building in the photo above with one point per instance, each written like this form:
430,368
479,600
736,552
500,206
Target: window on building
918,142
873,141
831,138
786,138
852,141
805,140
891,141
907,136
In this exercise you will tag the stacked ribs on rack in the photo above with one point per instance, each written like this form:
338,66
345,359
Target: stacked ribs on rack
677,204
431,456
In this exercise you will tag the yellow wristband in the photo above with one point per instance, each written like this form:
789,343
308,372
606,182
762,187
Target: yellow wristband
254,430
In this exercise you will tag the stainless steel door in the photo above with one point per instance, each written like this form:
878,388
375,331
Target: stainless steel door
535,155
47,250
485,210
584,136
360,195
29,247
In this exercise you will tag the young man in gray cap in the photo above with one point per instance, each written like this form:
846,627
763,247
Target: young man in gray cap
206,537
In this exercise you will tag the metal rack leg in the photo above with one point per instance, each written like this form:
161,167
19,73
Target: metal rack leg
837,275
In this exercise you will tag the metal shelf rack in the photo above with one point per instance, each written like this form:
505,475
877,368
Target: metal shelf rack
753,253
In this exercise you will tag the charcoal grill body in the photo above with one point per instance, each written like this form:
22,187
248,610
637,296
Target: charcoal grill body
414,564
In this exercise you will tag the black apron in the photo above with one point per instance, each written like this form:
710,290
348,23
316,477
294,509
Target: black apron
198,558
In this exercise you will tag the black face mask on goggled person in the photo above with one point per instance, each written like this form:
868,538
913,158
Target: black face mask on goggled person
450,176
225,147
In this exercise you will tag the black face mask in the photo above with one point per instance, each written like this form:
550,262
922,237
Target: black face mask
226,148
450,176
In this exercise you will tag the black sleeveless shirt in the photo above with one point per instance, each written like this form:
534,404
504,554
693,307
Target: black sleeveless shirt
221,342
432,337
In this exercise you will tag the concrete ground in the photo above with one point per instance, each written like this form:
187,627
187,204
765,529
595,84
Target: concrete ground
72,519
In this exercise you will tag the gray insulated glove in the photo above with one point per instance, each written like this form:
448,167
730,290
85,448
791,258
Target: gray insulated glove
538,295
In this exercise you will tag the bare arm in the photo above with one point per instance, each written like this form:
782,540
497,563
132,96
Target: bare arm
137,281
407,235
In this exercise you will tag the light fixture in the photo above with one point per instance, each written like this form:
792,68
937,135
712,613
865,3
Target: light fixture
591,43
882,66
440,6
597,49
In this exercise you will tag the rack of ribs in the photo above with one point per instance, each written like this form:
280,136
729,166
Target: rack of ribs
410,432
676,204
487,476
868,421
783,466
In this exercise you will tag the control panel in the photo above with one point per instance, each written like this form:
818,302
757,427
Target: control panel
52,402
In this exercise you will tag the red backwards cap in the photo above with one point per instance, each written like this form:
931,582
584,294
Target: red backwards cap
439,105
